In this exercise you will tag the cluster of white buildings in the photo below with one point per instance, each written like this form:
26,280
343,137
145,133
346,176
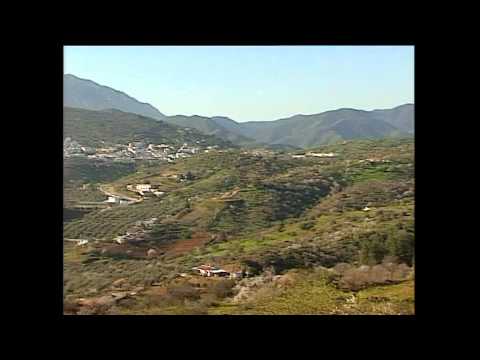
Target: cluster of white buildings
323,155
211,148
372,161
138,150
117,200
141,150
145,188
73,148
313,154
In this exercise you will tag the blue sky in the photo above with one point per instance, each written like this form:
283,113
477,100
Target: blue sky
251,83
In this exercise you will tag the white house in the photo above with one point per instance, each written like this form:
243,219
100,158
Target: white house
321,154
82,242
209,271
143,187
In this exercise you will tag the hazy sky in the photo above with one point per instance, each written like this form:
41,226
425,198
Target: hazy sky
251,82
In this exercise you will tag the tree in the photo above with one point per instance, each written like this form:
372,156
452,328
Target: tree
378,250
223,288
406,247
373,249
251,267
401,244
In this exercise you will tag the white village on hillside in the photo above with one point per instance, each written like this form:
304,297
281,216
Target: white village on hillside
138,150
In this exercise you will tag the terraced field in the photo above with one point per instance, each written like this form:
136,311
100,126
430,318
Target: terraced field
106,224
264,211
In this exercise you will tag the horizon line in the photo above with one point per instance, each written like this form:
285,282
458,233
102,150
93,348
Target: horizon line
224,116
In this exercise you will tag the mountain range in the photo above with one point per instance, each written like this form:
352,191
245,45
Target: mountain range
297,131
222,127
87,94
332,126
92,128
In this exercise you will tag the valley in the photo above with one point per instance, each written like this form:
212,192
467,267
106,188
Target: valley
198,208
325,234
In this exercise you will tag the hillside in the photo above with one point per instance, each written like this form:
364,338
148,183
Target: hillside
307,130
114,126
401,117
221,127
319,235
298,130
87,94
328,127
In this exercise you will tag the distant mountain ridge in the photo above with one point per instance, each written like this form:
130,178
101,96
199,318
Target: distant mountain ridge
87,94
308,130
295,131
331,126
219,126
403,117
93,128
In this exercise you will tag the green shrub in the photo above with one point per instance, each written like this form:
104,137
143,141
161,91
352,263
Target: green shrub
181,292
222,288
373,249
402,245
307,225
186,234
363,276
209,299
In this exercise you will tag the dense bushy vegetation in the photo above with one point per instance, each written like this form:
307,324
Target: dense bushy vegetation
93,171
91,128
374,247
387,272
